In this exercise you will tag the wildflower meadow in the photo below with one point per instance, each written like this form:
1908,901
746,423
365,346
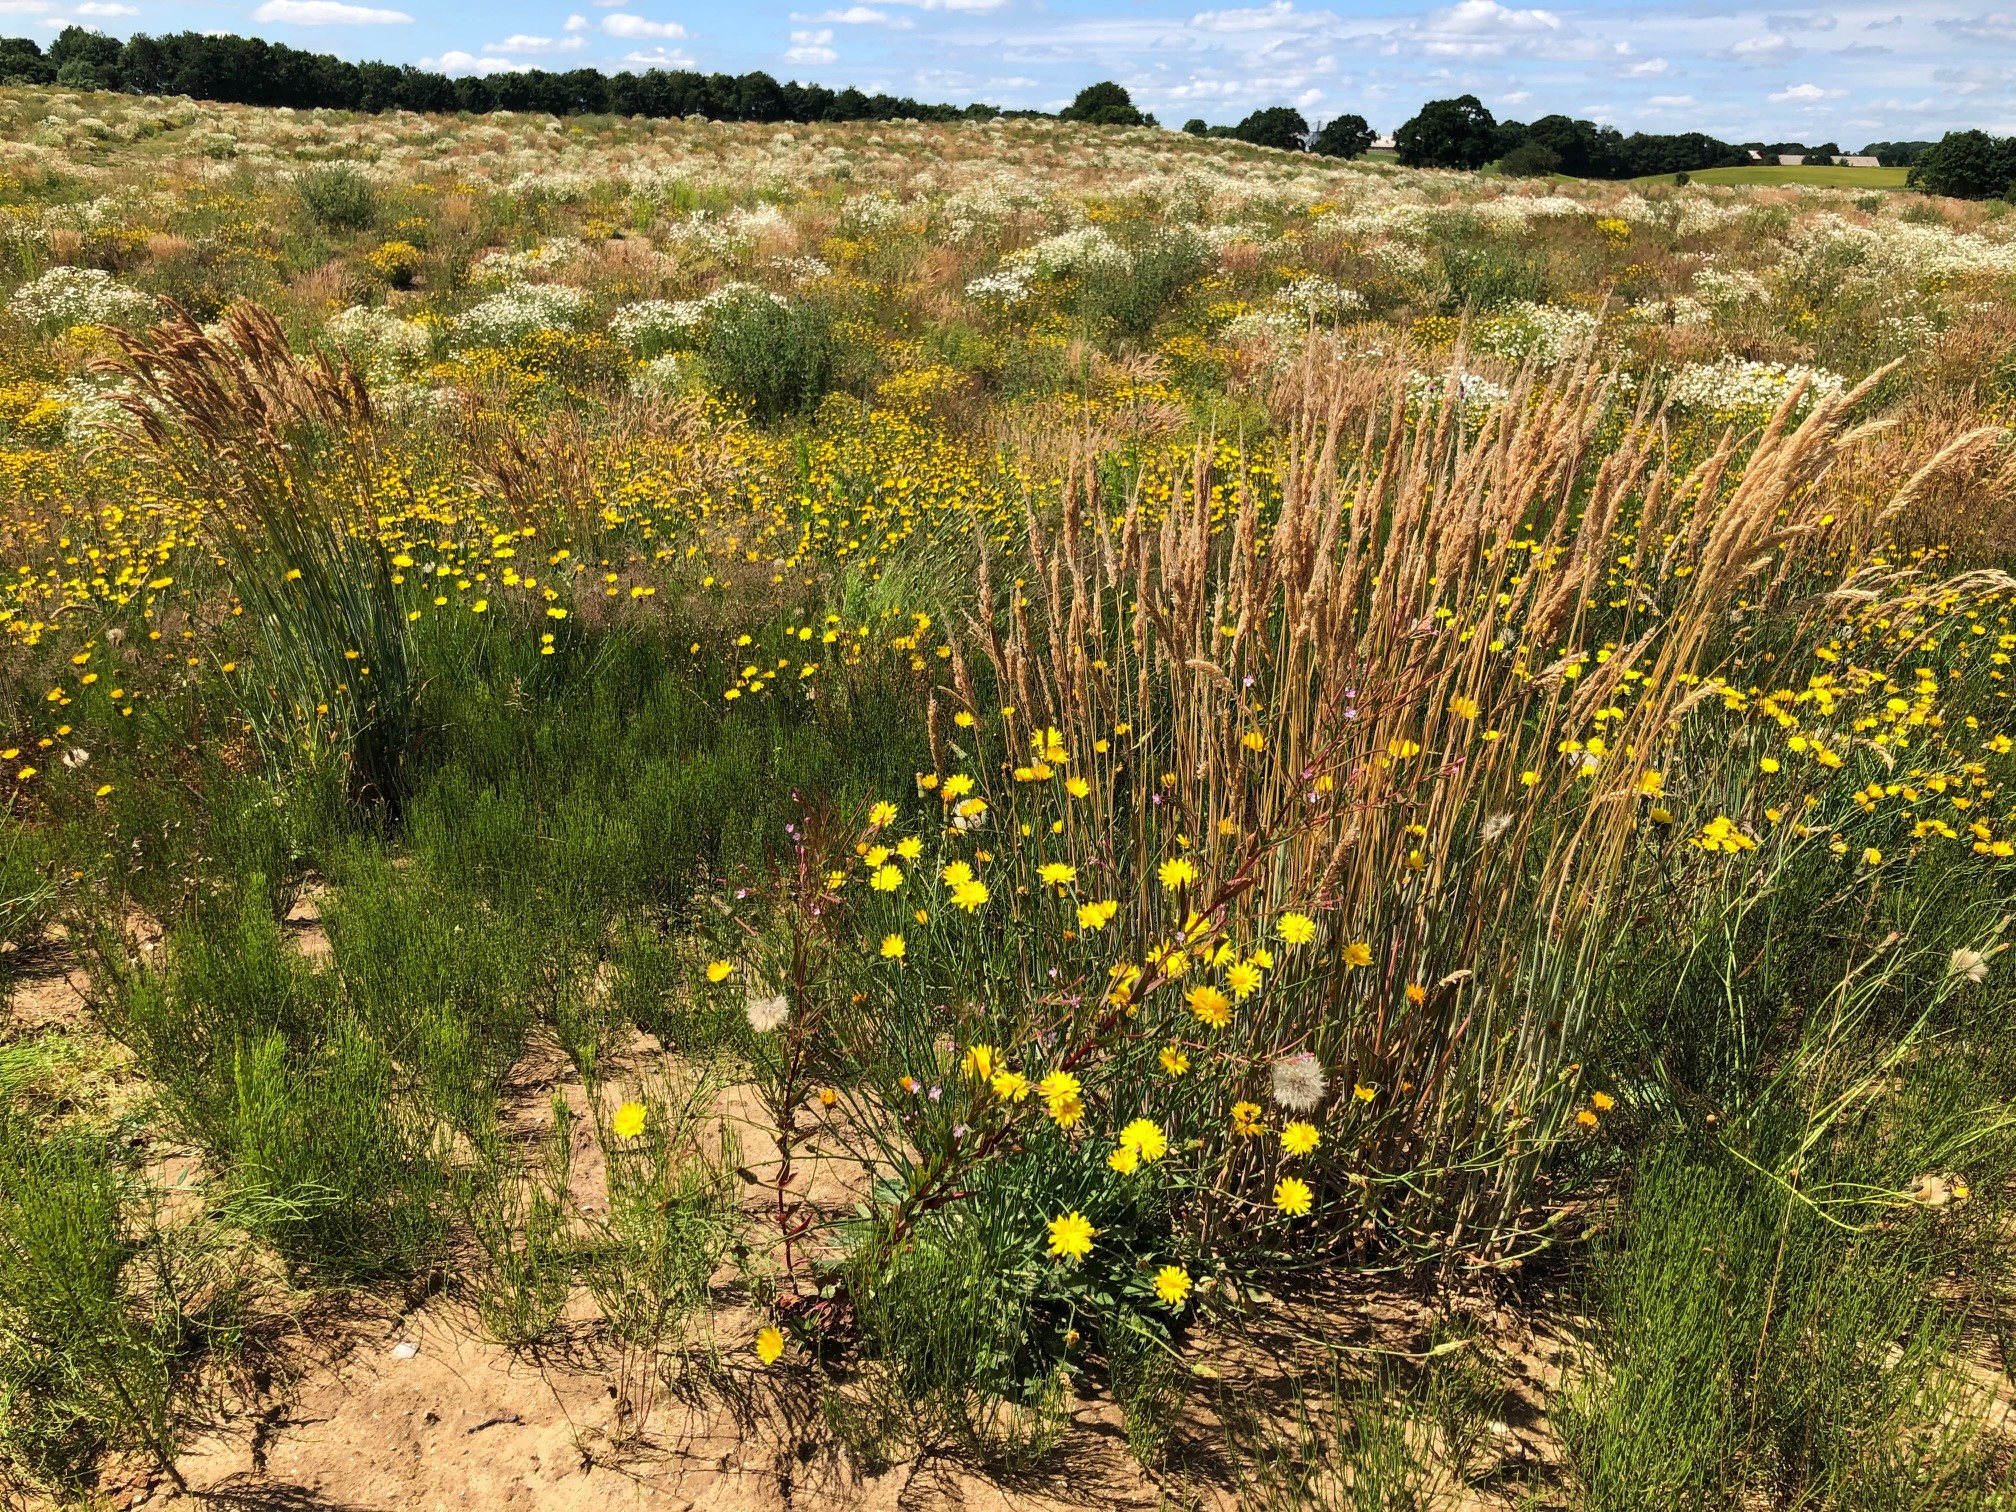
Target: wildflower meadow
706,814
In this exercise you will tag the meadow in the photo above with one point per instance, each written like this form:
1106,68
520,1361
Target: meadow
700,813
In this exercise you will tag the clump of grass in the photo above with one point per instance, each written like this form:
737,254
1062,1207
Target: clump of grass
338,197
774,359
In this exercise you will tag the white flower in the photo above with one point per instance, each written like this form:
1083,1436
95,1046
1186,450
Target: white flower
79,296
1971,964
511,316
768,1013
1299,1083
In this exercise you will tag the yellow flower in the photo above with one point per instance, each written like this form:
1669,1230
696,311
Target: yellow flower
1768,764
770,1345
956,786
1172,1285
1362,1092
629,1120
1058,874
875,855
1062,1093
1602,1102
1177,873
1209,1004
893,947
1244,980
1096,916
1078,787
886,878
1358,953
1872,857
1586,1119
1145,1138
910,848
1416,994
956,872
970,895
1400,749
1463,708
1292,1196
1124,1160
978,1062
1300,1138
1296,928
881,814
1071,1236
1246,1120
1010,1086
1175,1060
1253,740
1263,958
1652,785
719,971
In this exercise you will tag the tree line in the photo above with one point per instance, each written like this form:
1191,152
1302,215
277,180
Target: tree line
1453,133
248,71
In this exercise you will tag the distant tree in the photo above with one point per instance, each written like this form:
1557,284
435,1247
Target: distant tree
85,59
1896,154
1346,137
1966,165
1531,159
1458,133
1103,104
21,62
1277,126
1196,126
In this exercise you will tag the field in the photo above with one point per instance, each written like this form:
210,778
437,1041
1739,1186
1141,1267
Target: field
1001,814
1824,176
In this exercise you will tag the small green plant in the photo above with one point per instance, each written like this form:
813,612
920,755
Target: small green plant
338,197
519,1216
773,358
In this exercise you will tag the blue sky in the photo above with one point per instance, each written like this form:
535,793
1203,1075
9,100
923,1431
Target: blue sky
1854,72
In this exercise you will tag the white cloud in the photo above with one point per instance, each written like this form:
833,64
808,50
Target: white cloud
952,5
1673,102
812,47
1804,94
469,63
524,44
1278,16
637,29
1768,45
328,13
855,15
1651,68
659,57
98,8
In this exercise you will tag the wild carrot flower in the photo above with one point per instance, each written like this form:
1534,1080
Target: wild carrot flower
770,1345
1071,1236
1300,1138
1971,964
1172,1285
629,1120
1292,1196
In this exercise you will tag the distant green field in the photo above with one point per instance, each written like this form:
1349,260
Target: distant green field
1772,173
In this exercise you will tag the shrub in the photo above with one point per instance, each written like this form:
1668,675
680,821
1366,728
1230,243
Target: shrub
338,197
774,359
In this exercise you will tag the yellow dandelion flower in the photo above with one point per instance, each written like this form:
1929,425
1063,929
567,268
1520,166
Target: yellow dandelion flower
886,878
1058,874
1244,980
1209,1004
910,848
1172,1285
978,1062
1463,708
1296,928
1357,953
629,1120
1602,1102
1292,1196
1175,1060
893,947
1180,872
719,971
1096,916
1078,787
1124,1160
1300,1138
1071,1236
1246,1120
956,872
1010,1086
770,1345
1144,1136
881,814
970,895
1586,1119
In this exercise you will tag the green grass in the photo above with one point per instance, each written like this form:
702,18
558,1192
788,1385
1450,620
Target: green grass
1773,173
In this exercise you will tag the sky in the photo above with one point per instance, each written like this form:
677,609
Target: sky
1853,73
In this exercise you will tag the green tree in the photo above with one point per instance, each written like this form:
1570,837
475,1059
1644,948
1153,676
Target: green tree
1104,104
1966,165
1458,133
85,59
1196,126
1277,126
1346,137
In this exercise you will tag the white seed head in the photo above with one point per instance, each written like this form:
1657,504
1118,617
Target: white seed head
1299,1083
